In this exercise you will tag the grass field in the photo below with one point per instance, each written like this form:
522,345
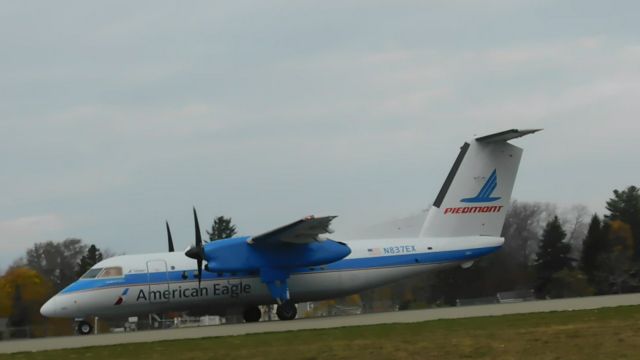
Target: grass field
612,333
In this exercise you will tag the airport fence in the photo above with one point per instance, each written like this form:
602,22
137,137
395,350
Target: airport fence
35,331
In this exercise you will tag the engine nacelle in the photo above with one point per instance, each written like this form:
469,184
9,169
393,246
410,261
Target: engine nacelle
237,255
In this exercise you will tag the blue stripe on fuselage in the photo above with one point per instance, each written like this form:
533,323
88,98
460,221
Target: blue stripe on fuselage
342,265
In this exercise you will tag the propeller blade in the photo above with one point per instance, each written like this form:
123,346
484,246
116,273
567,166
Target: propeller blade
199,247
199,272
171,249
198,235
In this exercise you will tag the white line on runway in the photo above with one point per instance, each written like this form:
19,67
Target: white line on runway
409,316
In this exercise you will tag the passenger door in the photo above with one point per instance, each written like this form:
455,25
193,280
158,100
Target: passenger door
158,280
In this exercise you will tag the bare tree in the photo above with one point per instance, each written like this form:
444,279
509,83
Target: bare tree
522,227
56,260
575,221
108,253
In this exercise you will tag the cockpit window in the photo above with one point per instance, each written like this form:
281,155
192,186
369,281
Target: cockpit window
92,273
114,271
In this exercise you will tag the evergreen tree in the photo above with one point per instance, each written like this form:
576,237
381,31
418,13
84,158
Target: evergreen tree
553,255
593,245
617,272
625,206
222,228
92,257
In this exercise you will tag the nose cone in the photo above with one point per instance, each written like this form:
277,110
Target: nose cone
49,308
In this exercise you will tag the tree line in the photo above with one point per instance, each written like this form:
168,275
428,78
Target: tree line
554,253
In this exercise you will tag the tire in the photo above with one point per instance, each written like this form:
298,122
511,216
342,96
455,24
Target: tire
84,328
252,314
287,310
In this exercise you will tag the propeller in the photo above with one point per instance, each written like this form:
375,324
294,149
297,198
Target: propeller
196,251
171,249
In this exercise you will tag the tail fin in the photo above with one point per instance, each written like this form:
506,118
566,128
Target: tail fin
474,197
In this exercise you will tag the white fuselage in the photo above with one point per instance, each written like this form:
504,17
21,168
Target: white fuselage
162,282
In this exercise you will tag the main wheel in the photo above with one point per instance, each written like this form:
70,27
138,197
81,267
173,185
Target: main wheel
252,314
84,328
287,310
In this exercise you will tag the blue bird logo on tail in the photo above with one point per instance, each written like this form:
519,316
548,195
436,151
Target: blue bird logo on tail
484,195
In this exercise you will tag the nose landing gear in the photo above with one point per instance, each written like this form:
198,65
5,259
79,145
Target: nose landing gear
83,327
287,310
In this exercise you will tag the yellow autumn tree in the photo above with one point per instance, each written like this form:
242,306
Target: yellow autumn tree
621,238
34,291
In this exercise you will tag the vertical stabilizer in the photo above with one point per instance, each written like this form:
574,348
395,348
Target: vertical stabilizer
475,195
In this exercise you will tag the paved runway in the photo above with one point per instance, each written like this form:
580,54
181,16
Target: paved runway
320,323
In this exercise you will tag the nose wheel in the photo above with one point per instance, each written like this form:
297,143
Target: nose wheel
287,310
83,328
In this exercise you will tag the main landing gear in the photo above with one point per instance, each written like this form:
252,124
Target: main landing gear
287,310
83,327
252,314
276,281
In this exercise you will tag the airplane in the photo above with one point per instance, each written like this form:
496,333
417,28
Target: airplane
295,263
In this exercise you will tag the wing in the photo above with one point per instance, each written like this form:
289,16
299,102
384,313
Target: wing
303,231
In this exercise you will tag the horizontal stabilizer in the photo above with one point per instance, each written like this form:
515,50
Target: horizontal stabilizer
506,135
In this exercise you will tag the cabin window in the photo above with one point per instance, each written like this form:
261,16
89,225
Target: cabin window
92,273
114,271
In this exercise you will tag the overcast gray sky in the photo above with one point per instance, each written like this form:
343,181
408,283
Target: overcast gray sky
117,115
